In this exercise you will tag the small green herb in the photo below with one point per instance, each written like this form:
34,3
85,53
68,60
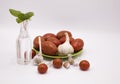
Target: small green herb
18,20
14,12
21,16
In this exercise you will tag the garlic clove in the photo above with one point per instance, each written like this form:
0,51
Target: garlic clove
71,60
66,64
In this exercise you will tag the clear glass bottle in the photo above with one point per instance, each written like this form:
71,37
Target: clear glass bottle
24,46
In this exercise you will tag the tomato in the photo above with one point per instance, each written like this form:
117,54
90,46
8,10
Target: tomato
84,65
33,53
42,68
61,34
36,42
77,44
47,35
57,63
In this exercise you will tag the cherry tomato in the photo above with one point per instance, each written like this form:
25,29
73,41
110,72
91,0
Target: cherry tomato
57,63
84,65
42,68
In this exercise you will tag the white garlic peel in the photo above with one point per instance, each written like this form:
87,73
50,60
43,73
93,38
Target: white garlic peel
65,48
50,63
75,64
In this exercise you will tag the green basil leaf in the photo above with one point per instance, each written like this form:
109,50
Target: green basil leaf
22,16
19,20
29,15
14,12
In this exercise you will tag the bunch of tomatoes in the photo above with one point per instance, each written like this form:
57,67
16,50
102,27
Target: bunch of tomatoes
58,63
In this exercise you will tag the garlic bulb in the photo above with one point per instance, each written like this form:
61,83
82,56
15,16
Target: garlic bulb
65,48
38,58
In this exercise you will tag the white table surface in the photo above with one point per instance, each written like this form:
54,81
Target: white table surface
98,25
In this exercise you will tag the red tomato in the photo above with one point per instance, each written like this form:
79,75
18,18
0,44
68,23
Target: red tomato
84,65
42,68
57,63
33,53
77,44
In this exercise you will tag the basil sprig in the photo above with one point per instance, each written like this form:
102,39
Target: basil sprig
20,17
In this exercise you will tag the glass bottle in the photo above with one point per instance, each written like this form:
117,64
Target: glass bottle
24,46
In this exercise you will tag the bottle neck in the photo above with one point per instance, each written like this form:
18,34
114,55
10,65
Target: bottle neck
23,29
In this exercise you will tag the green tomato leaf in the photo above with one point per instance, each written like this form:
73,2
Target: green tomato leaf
14,12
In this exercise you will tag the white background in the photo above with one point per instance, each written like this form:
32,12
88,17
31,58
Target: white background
97,22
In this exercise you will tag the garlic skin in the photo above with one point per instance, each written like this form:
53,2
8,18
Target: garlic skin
65,48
